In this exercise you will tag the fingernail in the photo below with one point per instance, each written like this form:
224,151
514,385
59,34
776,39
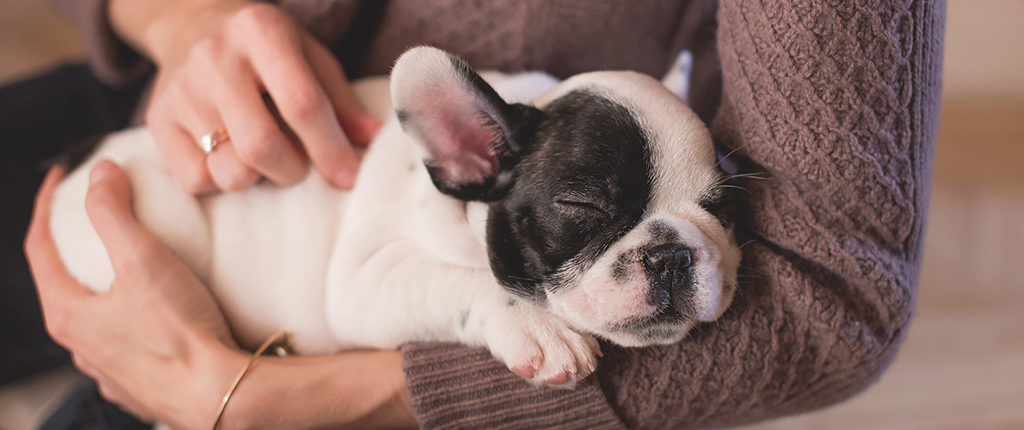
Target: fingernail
367,128
100,172
346,179
370,122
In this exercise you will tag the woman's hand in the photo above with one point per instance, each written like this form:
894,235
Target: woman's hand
216,60
151,342
158,345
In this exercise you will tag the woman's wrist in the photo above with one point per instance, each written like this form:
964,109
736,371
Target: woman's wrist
206,376
360,389
164,31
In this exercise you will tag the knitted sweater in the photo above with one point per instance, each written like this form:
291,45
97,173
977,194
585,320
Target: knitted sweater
835,103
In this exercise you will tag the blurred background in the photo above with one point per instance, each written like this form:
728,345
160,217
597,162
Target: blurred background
962,365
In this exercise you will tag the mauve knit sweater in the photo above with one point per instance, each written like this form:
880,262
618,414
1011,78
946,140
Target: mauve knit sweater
835,102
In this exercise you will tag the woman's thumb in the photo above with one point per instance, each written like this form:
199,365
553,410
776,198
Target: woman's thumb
109,205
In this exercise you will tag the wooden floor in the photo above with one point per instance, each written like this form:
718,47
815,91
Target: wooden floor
962,366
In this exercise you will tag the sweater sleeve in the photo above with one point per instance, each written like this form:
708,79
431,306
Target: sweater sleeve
837,106
113,61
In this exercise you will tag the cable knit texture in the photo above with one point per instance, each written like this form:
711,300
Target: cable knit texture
835,102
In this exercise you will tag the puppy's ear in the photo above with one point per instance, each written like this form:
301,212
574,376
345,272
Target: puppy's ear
473,138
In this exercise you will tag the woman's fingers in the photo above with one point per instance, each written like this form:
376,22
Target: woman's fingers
359,126
67,306
227,169
143,340
197,111
177,144
59,293
256,139
109,204
220,83
47,267
278,61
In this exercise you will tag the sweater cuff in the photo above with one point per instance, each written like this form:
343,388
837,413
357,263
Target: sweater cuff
454,386
111,59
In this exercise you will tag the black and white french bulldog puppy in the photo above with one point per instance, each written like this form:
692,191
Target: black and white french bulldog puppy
515,212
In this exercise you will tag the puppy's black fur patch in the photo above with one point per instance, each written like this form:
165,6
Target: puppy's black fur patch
582,182
620,270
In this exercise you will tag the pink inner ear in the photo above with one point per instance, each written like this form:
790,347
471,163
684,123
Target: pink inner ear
447,113
459,140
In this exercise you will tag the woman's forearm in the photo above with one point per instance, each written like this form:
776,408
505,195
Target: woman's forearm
363,389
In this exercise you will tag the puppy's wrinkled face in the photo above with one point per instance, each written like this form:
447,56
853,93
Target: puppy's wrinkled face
602,196
610,216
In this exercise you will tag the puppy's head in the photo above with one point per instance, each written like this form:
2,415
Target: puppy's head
602,194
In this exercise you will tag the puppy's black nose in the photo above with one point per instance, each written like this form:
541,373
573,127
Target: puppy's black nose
665,259
668,269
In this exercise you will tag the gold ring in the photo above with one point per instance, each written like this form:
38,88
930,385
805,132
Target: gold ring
210,141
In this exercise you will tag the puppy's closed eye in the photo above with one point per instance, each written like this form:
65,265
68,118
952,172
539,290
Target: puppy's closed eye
575,207
584,205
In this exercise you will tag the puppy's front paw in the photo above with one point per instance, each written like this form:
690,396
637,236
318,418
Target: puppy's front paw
539,346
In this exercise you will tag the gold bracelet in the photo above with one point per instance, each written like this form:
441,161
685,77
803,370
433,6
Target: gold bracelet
279,339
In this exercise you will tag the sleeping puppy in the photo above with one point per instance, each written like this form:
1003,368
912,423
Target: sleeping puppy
515,212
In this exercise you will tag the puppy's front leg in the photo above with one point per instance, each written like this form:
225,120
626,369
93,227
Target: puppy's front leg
531,341
400,293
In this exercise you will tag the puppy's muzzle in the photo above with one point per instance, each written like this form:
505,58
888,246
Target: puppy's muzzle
668,270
